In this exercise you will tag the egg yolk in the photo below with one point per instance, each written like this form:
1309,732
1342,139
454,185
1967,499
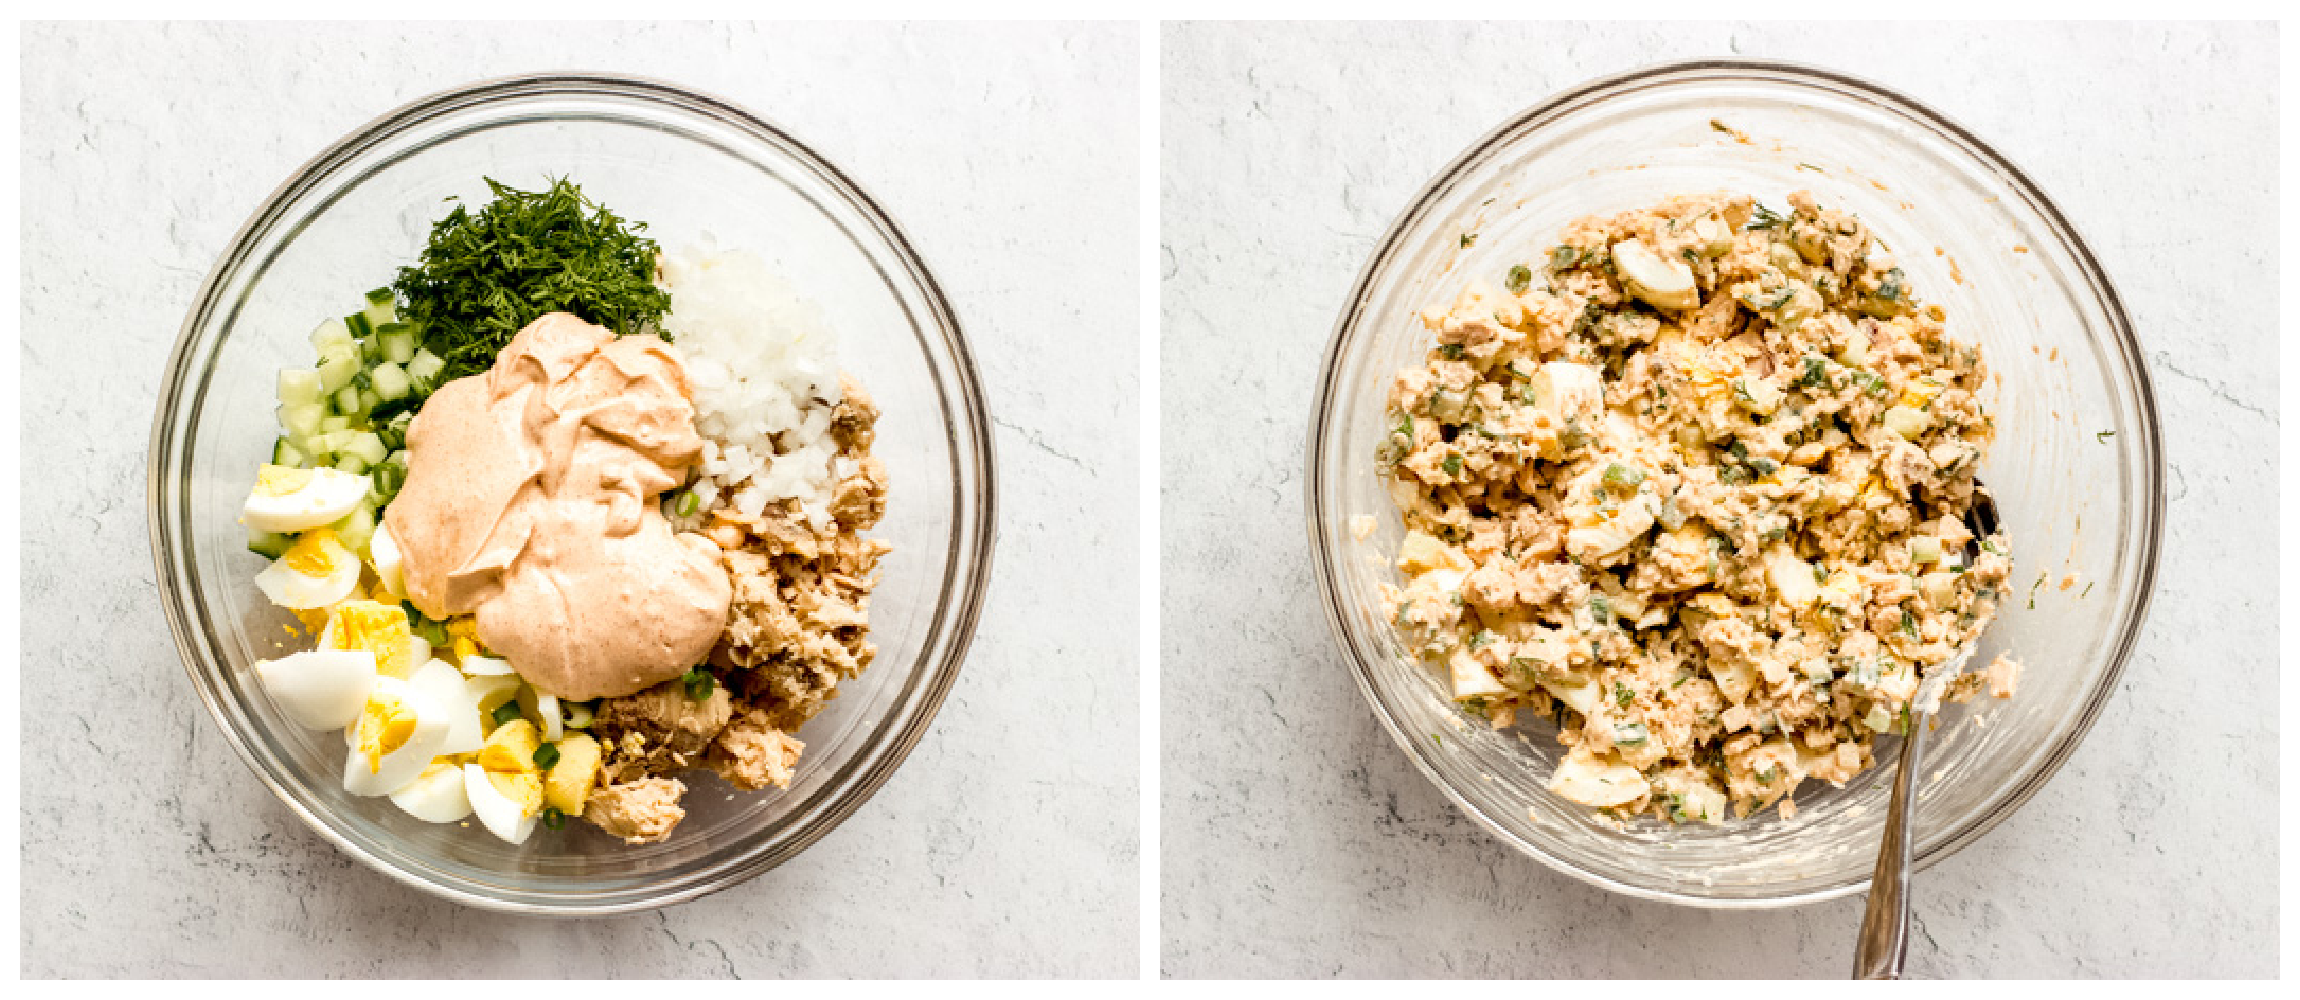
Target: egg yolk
377,628
281,480
509,760
385,725
310,555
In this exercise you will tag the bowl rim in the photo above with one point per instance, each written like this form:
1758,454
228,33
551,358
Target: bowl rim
1844,85
973,539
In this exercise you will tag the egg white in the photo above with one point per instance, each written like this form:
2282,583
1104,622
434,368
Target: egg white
290,589
400,766
444,684
486,666
501,816
327,497
321,688
384,550
544,709
435,796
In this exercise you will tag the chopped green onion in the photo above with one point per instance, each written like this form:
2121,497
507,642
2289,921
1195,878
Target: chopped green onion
1518,279
1626,476
699,684
689,503
553,818
547,755
506,713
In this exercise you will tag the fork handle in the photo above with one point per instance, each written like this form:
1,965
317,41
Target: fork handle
1884,940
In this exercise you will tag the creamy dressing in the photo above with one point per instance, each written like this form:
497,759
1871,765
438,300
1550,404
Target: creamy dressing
531,503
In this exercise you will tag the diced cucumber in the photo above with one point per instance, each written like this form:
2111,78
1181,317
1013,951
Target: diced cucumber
398,342
337,365
346,462
366,445
394,432
359,325
302,419
379,309
299,385
424,369
389,380
368,401
330,428
267,544
331,334
284,453
347,401
357,527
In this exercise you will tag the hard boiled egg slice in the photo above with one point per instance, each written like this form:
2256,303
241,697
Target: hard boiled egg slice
504,782
496,811
544,707
398,732
437,795
383,550
442,683
288,499
505,786
314,572
486,666
319,689
377,628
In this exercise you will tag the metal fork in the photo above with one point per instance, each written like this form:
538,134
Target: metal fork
1884,942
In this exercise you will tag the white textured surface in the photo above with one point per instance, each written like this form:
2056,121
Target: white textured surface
1298,840
1006,845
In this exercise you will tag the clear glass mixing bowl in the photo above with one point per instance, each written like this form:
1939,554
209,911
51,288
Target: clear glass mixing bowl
687,164
1975,236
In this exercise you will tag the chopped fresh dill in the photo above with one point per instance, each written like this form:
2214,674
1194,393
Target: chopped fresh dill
486,274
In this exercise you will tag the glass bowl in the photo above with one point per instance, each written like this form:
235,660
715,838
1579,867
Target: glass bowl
1975,236
686,164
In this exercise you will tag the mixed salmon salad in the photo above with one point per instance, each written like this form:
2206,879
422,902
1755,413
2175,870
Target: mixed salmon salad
563,518
1694,484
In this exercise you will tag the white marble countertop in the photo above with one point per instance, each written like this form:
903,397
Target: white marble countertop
1006,845
1296,837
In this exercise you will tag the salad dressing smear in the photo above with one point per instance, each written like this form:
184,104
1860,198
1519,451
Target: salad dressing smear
531,503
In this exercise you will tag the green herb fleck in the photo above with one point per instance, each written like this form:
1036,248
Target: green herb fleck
1816,373
1468,240
1451,465
506,713
1519,278
1624,476
1622,696
1761,217
547,755
699,683
553,818
2103,436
